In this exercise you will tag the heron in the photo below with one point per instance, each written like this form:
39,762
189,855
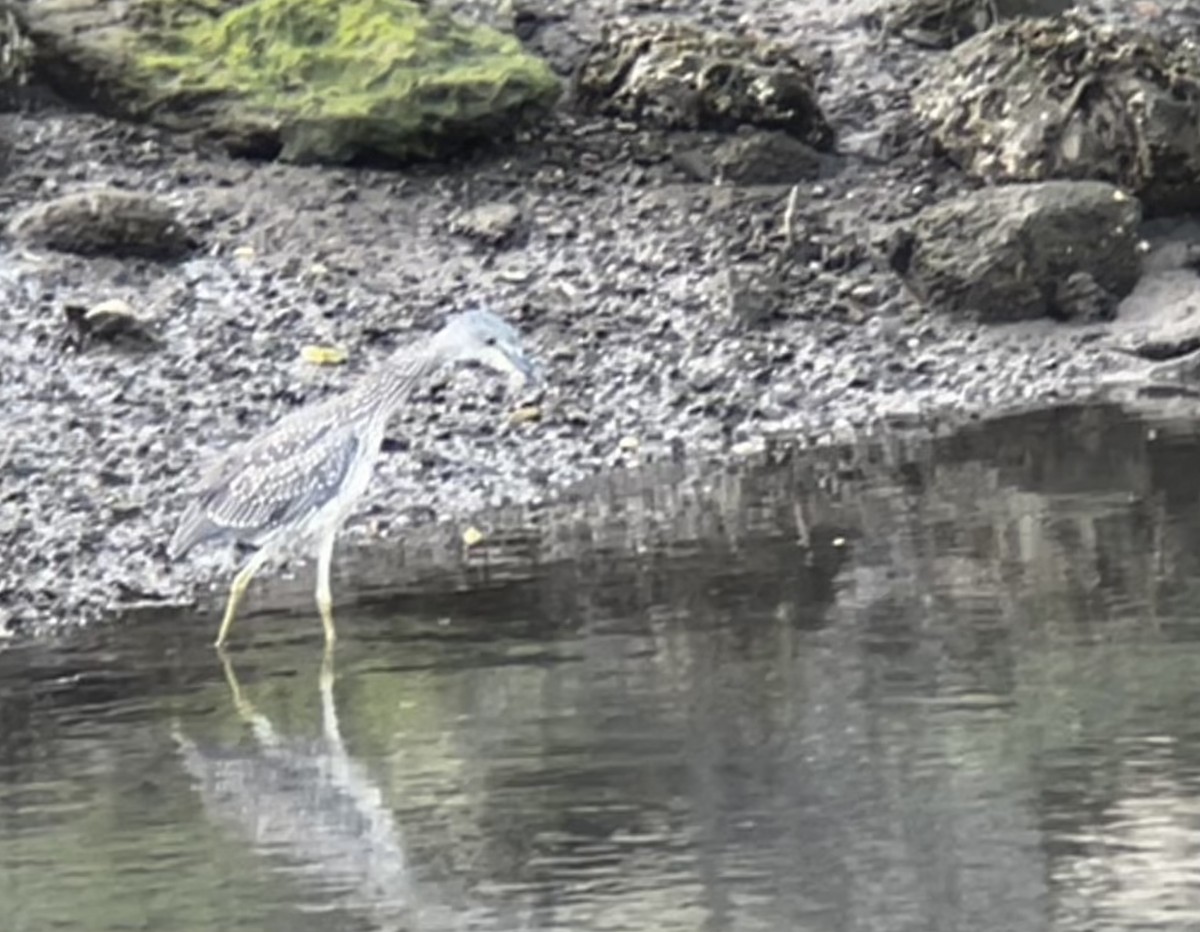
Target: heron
296,483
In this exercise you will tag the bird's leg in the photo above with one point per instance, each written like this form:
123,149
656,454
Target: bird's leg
240,582
329,718
324,591
244,708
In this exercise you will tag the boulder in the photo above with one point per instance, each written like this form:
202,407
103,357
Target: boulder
307,80
673,76
1065,97
1066,249
105,221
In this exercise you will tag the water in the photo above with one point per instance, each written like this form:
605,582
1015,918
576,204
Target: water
904,687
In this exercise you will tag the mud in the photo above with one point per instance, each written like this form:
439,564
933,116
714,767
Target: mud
666,325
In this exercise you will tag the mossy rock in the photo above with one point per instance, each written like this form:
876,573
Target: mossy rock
308,80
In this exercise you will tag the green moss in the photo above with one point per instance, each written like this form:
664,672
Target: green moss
340,78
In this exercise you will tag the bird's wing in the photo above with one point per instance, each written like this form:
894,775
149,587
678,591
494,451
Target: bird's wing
275,480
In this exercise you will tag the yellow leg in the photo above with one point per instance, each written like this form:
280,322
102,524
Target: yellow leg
240,583
326,678
243,706
329,718
324,591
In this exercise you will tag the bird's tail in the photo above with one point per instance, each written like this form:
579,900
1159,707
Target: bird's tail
194,527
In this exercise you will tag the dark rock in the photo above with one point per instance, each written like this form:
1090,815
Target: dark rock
937,24
752,293
1064,97
678,77
16,59
494,224
1079,297
1004,253
761,157
105,221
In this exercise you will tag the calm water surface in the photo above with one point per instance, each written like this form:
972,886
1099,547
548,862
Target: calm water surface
946,686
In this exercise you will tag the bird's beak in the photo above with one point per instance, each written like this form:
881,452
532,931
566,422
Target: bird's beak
522,374
526,372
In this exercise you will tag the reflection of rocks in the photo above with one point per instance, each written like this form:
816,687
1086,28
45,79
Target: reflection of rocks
1064,97
105,221
1022,251
760,157
328,82
679,77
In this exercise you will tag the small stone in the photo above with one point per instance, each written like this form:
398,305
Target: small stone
111,321
494,224
746,448
754,158
1081,298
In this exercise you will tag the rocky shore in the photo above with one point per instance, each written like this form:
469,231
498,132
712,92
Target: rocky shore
840,233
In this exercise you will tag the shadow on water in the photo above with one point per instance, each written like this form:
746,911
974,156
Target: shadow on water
903,685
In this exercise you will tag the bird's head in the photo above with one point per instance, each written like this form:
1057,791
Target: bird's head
480,336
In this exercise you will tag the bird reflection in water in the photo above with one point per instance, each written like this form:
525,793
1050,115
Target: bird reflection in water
307,803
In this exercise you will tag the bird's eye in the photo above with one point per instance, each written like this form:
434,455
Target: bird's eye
489,341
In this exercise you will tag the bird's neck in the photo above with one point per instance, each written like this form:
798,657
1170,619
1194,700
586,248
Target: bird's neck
387,388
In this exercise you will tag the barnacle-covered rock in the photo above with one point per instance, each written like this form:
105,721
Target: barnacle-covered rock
942,24
1065,97
1064,249
678,77
937,24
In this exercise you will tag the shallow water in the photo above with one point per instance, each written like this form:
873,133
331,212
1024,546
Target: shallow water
911,686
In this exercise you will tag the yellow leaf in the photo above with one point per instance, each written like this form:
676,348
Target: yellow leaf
525,414
472,536
323,355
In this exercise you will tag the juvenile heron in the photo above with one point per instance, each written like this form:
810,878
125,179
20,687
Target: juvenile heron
300,480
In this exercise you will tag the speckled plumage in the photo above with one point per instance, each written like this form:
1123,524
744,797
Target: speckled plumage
278,481
301,479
